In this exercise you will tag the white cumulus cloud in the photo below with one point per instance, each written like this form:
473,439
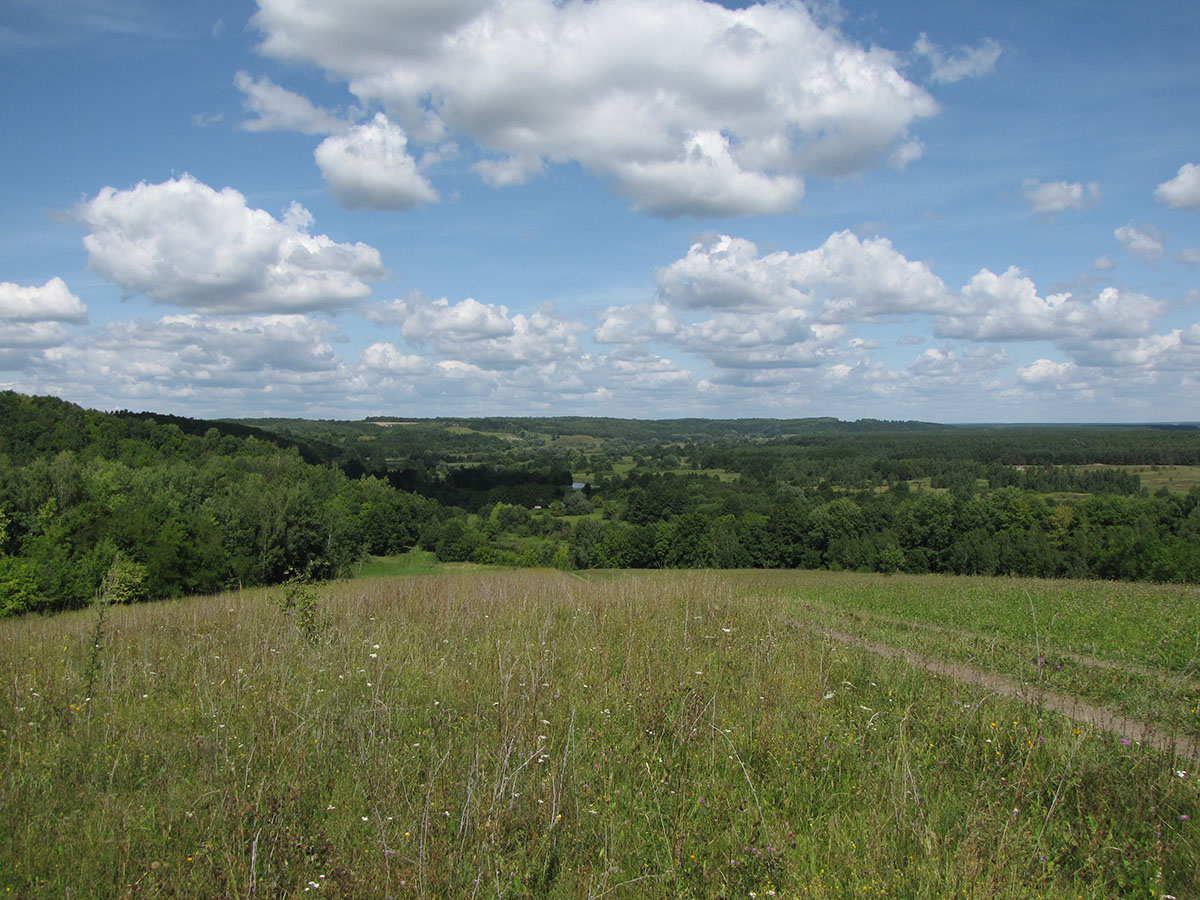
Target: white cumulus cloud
1182,191
182,242
51,302
1047,372
31,320
845,279
706,181
482,334
370,166
689,107
1047,198
1007,307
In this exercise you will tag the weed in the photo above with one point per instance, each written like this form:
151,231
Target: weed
299,599
122,583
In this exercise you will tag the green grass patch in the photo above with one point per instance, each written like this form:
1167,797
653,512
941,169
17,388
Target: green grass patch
415,562
1176,479
532,734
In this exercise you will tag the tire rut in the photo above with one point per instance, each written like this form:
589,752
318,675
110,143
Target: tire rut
1099,717
1095,662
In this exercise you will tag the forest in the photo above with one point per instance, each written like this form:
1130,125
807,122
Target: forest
186,506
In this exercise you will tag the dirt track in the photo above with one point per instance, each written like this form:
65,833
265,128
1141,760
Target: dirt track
1098,717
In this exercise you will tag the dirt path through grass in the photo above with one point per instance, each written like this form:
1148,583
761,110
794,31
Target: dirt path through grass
1183,678
1099,717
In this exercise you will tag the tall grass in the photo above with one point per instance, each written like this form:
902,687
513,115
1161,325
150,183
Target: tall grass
535,735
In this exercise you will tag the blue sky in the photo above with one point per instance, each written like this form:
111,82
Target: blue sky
653,208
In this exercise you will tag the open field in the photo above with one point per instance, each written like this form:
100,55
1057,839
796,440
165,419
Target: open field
1177,479
535,734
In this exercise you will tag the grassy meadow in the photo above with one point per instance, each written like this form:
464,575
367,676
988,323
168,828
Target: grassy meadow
535,734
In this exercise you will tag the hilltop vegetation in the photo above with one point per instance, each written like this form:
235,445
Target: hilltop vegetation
195,506
648,735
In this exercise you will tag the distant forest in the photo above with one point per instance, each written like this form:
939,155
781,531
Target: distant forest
187,506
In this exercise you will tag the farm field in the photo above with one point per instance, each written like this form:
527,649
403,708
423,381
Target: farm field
664,734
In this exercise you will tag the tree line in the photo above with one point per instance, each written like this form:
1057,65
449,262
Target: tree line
193,506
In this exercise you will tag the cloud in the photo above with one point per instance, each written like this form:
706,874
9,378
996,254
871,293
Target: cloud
1146,245
723,272
771,314
906,153
497,359
423,320
384,357
523,384
22,343
1151,356
1182,191
690,108
1103,264
636,324
203,363
369,166
971,62
949,363
637,370
52,302
66,22
1047,198
1049,373
182,243
31,321
745,311
1007,307
1190,256
278,109
481,334
782,339
707,181
511,170
845,279
358,37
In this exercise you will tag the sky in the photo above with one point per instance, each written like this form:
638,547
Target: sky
943,211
